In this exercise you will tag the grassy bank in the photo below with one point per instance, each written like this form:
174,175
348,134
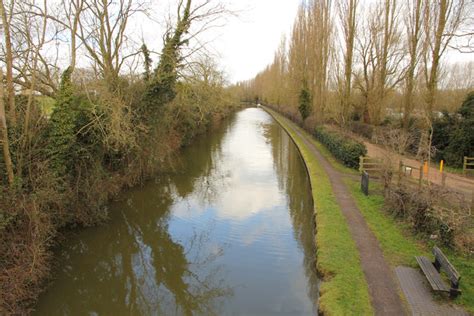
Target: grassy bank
344,290
400,246
399,243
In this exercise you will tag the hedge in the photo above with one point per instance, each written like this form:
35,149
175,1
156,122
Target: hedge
342,147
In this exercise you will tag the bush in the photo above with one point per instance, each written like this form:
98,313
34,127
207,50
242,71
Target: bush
453,134
343,148
425,212
362,129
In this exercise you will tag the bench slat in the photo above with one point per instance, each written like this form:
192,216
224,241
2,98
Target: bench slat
432,275
451,272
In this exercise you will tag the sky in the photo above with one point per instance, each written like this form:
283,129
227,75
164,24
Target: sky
248,42
243,44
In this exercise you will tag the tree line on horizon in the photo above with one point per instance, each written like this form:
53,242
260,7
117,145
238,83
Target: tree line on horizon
351,60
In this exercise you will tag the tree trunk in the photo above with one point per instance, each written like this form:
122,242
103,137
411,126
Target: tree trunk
9,62
4,131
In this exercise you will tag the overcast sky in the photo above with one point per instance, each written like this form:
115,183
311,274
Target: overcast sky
244,44
247,43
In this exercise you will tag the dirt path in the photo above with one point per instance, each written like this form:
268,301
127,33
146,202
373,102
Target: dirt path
383,288
453,181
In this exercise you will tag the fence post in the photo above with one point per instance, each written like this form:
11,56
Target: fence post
472,202
464,166
361,163
400,170
364,183
420,180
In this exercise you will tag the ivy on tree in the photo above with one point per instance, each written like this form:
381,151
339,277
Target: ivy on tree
305,103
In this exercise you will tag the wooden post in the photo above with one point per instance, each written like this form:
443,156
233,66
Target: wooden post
464,167
420,180
441,166
364,183
400,170
472,202
361,163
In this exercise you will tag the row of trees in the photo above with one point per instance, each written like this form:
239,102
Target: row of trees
84,112
358,59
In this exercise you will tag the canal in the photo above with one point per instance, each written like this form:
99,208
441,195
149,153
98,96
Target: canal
229,232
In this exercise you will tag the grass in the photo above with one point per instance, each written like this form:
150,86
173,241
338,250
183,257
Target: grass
344,290
398,248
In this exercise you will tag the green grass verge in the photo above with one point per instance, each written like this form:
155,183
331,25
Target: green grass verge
344,290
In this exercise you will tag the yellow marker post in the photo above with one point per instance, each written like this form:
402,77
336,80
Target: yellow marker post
441,165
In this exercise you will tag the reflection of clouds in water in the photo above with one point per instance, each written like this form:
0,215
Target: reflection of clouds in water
246,200
250,188
244,178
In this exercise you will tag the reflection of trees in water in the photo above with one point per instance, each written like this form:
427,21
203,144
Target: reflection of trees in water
142,270
198,171
293,178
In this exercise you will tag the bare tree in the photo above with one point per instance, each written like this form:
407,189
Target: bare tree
298,56
4,130
347,15
413,24
73,10
443,19
381,55
9,58
34,46
102,28
319,43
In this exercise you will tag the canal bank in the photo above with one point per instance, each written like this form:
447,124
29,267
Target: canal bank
363,265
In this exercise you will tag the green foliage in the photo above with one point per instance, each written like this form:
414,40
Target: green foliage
147,63
304,103
67,134
162,87
343,148
453,135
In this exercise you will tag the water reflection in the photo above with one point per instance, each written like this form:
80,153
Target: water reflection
230,232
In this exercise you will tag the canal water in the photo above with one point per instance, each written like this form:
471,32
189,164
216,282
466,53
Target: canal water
230,232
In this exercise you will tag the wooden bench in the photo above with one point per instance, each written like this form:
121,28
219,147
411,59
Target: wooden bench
432,272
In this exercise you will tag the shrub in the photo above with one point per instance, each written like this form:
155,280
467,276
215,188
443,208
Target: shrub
68,140
343,148
304,103
362,129
426,213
